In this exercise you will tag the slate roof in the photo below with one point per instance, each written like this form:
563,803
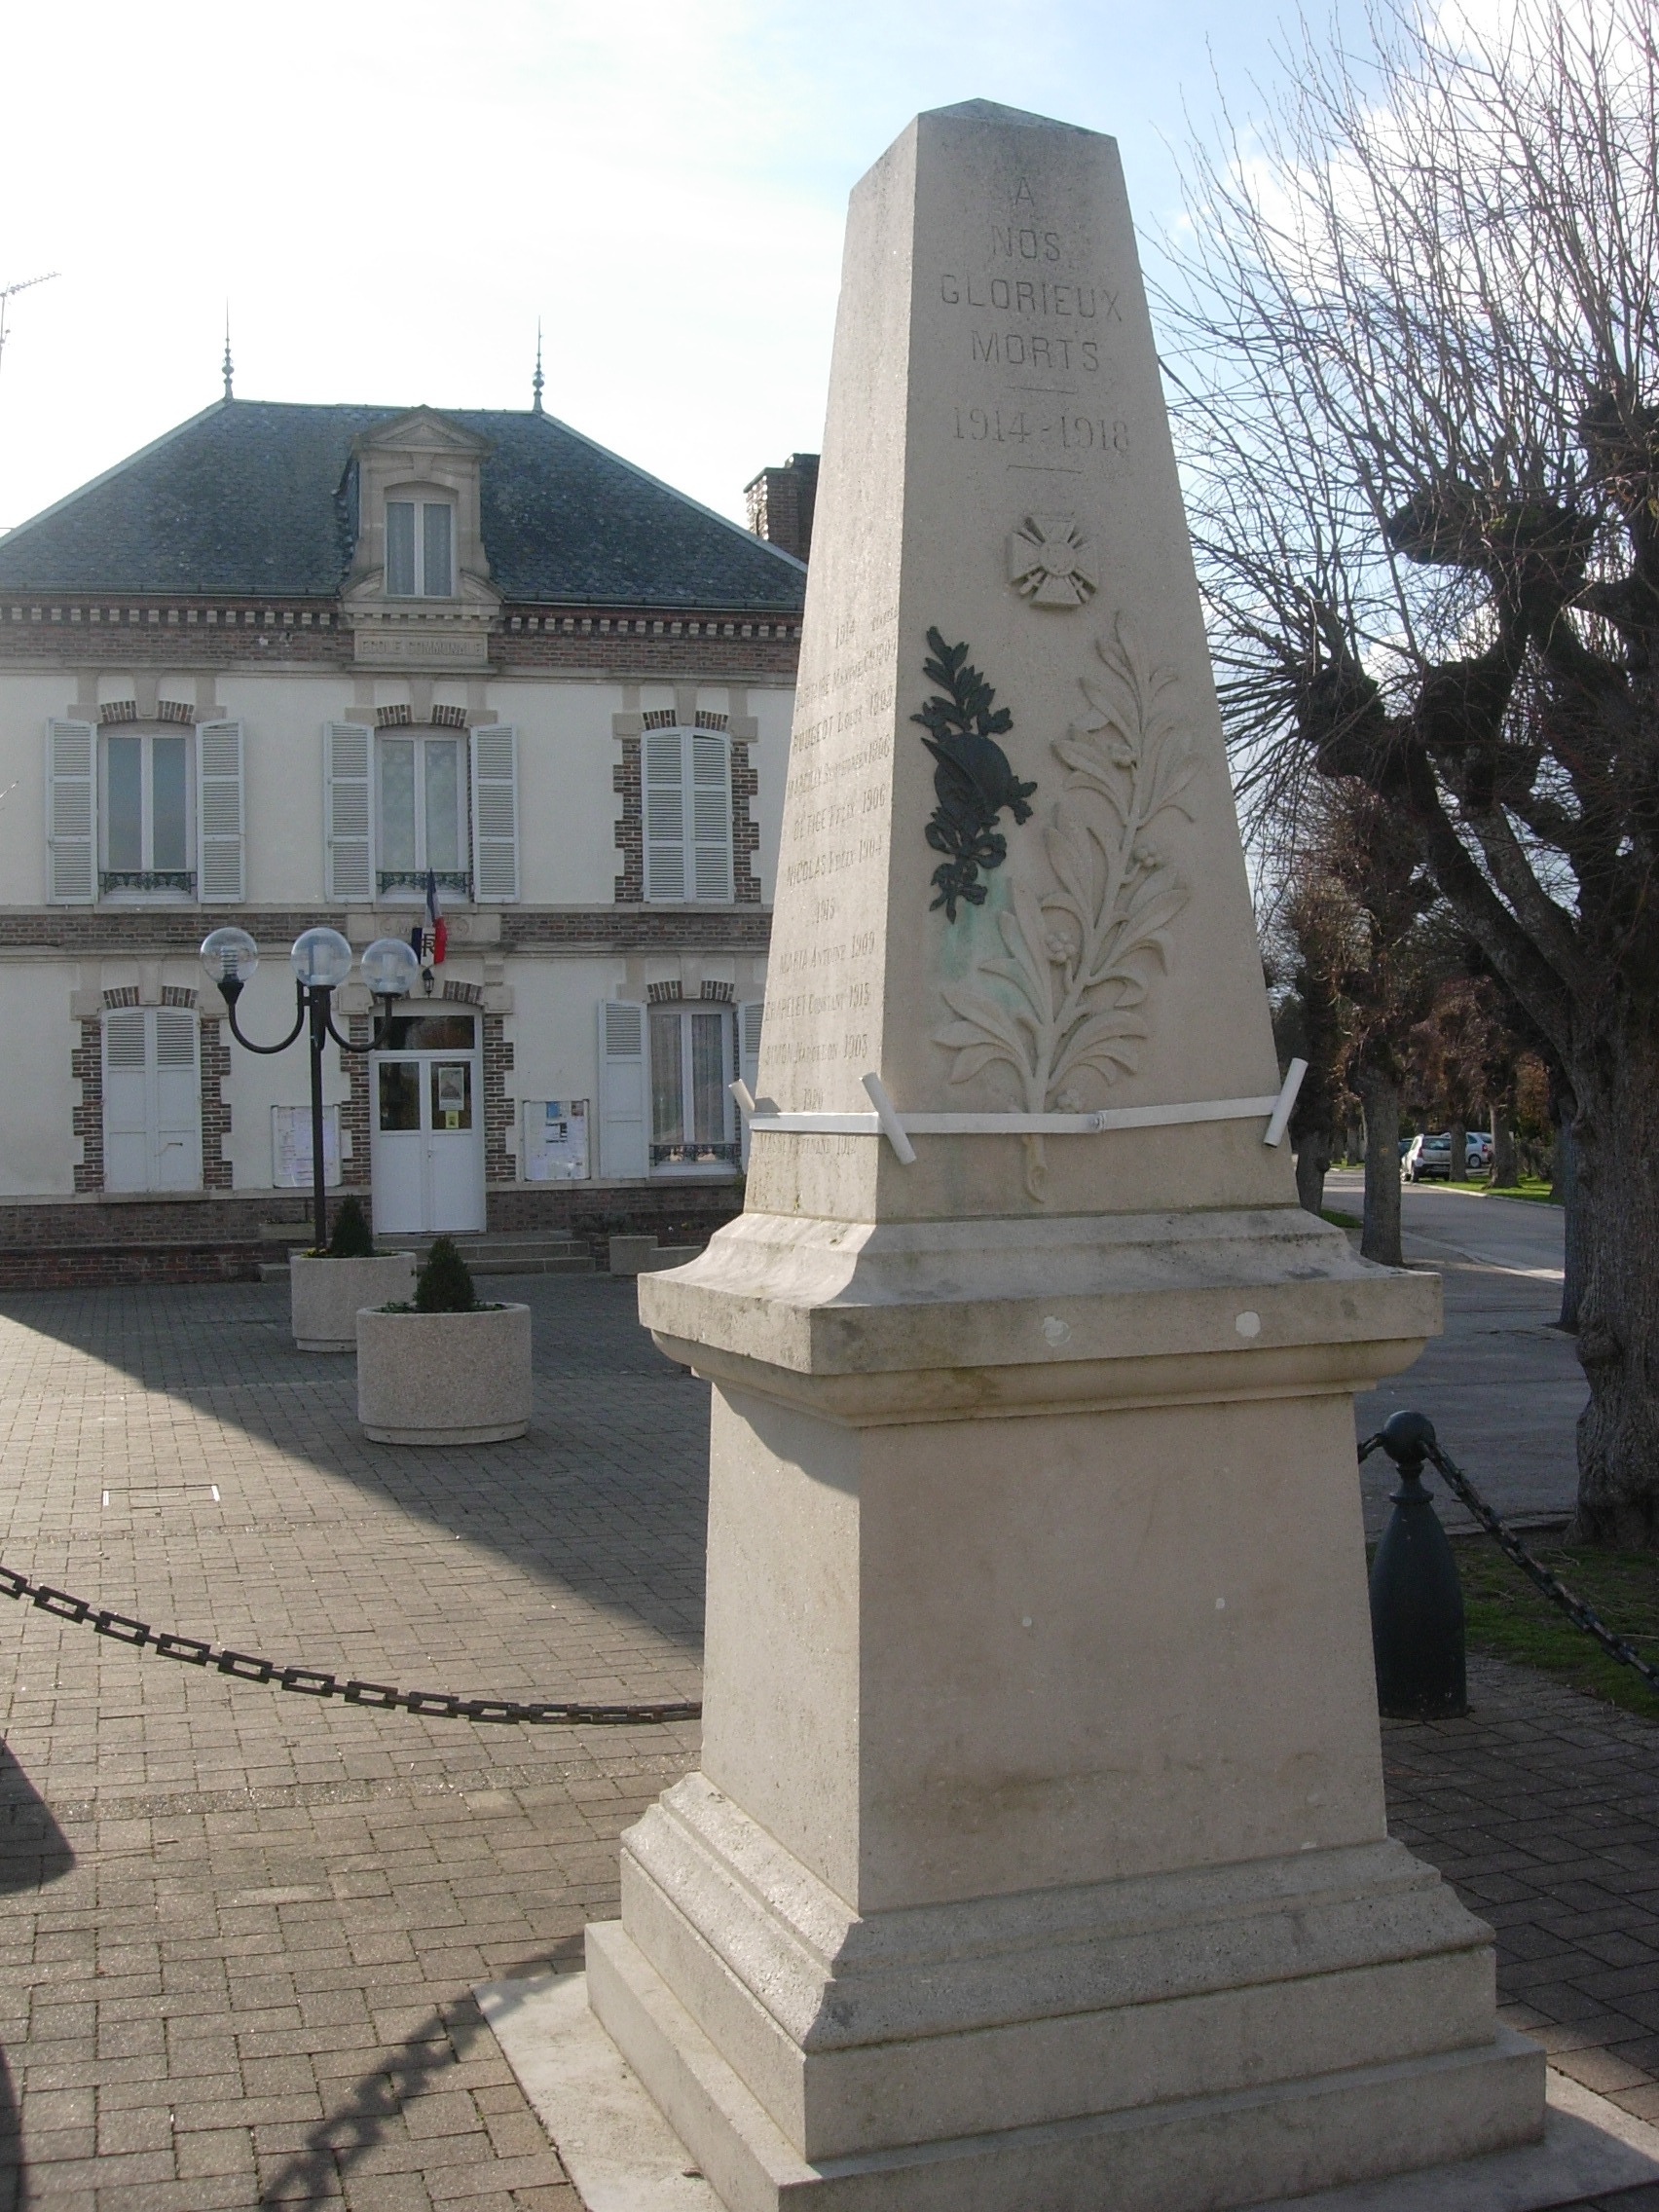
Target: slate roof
253,497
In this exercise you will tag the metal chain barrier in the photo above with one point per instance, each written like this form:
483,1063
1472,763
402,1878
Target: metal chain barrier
1576,1610
311,1682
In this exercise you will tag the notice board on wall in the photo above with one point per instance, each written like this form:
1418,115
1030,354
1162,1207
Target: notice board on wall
291,1146
555,1140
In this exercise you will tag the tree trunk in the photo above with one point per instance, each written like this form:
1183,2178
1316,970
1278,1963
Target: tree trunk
1459,1152
1313,1164
1505,1173
1380,1239
1614,1191
1567,1190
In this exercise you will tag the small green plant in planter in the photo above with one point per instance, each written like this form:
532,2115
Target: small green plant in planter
328,1288
445,1284
352,1237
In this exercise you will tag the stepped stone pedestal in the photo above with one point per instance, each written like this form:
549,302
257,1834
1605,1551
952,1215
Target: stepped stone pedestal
1038,1856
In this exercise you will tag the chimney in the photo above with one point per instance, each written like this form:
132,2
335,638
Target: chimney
781,502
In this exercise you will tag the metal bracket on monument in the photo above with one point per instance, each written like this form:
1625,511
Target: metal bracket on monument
765,1115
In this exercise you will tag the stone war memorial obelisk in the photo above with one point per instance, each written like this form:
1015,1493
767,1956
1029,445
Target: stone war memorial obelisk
1037,1860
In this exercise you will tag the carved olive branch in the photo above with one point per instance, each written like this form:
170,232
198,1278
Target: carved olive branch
1078,956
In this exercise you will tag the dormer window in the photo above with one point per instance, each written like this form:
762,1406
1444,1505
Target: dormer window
420,549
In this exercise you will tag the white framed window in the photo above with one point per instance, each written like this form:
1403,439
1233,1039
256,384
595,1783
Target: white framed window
694,1117
147,813
687,801
421,814
420,549
152,1100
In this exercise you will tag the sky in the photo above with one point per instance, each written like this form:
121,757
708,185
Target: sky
390,197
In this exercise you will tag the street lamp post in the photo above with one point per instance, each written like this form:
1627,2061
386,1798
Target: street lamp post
321,961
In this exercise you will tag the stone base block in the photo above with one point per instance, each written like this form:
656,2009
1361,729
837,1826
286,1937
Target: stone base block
1200,2155
622,2156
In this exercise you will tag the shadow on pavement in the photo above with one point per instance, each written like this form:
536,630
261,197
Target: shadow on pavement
610,1487
34,1851
344,2138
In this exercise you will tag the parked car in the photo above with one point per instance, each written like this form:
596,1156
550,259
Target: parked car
1429,1158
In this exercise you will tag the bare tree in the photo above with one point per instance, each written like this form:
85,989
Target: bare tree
1419,342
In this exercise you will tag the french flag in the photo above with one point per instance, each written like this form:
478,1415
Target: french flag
434,931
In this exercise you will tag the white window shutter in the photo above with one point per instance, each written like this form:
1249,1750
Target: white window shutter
621,1087
749,1059
71,814
495,814
126,1101
349,812
665,814
177,1151
220,872
711,817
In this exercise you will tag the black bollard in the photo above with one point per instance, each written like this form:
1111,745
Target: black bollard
1417,1602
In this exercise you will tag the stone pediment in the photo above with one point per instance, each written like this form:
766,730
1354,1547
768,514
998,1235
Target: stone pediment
421,430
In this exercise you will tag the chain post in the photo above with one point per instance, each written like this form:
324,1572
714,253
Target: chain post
1416,1602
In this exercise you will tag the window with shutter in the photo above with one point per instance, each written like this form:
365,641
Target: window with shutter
220,867
691,1102
665,814
152,1110
348,842
494,813
621,1087
71,814
687,811
711,816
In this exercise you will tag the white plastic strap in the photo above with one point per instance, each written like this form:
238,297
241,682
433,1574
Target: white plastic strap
899,1128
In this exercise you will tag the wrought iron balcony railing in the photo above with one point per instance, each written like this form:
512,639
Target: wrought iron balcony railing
179,879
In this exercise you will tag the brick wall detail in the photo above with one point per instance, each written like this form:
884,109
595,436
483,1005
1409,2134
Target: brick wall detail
215,1053
85,1064
499,1108
745,830
708,648
354,1110
628,782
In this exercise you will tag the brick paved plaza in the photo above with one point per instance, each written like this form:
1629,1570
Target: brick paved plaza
239,1930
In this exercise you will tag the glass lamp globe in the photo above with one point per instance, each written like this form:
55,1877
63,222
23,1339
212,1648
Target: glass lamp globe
390,968
321,958
229,956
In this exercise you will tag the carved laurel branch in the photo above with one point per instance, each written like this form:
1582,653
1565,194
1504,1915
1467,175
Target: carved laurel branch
973,779
1065,999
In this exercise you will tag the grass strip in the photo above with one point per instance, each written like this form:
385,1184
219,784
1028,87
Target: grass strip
1507,1618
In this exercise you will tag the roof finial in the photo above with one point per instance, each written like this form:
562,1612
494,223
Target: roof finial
537,380
227,361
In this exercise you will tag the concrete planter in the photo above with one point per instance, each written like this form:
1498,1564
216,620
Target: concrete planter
444,1377
324,1294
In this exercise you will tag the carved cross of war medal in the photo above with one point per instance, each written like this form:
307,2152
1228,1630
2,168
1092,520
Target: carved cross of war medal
1051,562
973,778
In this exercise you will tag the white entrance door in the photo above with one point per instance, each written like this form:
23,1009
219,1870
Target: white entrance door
427,1142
